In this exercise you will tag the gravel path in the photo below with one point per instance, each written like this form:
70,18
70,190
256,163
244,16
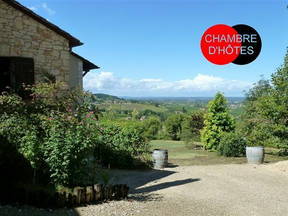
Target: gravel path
196,190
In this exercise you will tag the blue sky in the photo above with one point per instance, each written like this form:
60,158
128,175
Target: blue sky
151,48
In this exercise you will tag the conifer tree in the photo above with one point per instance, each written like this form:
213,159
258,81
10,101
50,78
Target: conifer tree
217,120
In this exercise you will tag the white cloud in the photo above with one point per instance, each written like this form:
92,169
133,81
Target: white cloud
200,85
43,6
48,9
33,8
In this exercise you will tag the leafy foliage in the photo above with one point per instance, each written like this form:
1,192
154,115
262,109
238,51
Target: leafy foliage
58,133
232,145
173,126
66,147
266,111
217,121
152,126
192,125
119,145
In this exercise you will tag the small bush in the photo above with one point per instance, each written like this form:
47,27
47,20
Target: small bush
192,124
152,126
173,126
232,145
121,144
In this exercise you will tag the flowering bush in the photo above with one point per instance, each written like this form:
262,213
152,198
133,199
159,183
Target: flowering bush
58,133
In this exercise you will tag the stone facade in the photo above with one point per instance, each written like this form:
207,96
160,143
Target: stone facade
22,36
76,73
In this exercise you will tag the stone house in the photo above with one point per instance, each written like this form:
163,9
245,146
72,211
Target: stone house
31,46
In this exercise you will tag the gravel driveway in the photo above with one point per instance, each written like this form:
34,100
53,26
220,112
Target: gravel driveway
197,190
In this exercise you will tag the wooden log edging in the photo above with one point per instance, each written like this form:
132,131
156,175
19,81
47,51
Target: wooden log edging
92,194
78,196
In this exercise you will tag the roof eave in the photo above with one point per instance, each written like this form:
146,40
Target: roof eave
87,65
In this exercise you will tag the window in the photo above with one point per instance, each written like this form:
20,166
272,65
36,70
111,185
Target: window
14,72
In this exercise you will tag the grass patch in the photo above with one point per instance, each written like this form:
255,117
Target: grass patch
181,154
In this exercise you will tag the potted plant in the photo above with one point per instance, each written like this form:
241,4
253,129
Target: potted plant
255,149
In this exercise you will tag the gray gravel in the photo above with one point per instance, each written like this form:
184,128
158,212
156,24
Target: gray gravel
195,190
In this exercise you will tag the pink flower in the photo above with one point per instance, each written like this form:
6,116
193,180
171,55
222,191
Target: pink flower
88,115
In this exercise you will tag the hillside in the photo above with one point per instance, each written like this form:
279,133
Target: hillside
105,98
159,105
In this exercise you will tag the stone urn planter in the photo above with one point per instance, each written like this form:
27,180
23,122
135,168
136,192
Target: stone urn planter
255,154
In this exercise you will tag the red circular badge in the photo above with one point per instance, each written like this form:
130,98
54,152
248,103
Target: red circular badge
221,44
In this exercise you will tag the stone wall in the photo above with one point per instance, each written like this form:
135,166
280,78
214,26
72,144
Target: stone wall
76,72
22,36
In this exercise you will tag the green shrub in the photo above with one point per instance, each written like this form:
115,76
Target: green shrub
57,132
66,147
152,126
121,144
10,103
232,145
191,126
173,126
217,120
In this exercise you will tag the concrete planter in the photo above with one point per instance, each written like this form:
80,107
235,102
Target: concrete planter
255,154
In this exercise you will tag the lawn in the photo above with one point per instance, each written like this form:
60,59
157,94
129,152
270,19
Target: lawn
184,155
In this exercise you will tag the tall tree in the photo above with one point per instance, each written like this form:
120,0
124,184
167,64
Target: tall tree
266,110
280,93
217,120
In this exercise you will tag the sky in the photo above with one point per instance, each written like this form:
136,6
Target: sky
152,47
